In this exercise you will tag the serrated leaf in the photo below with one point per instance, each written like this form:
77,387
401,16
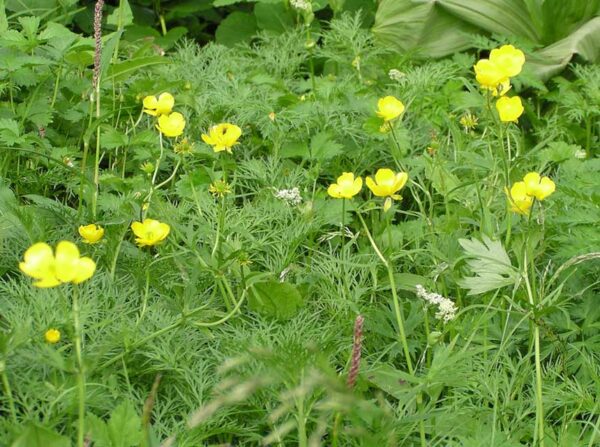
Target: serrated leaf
124,426
323,147
37,436
236,27
275,299
9,132
490,263
121,16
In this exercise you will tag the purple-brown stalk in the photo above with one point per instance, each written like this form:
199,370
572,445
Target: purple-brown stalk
98,40
356,348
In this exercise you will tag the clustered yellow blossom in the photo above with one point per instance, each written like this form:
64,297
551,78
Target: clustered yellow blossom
52,268
346,187
389,108
52,336
150,232
387,183
170,124
91,234
222,137
494,74
523,194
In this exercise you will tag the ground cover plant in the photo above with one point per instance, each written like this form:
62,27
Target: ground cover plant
309,239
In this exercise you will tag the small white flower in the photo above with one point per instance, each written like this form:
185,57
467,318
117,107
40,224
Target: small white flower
446,309
291,196
396,75
301,5
581,154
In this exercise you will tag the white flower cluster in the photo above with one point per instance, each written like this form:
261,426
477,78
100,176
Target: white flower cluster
395,75
446,307
301,5
291,196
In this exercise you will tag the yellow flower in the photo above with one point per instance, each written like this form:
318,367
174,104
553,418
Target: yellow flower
91,233
389,108
52,269
346,187
387,184
509,109
490,75
222,137
538,186
150,232
520,202
161,106
171,125
509,59
52,336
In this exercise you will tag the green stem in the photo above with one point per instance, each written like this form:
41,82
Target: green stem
539,405
8,392
397,309
80,369
148,198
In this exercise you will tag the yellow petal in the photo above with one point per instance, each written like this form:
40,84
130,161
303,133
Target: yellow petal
385,177
334,191
150,102
509,109
85,269
38,261
67,257
400,181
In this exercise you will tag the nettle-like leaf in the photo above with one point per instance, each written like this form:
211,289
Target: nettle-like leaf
490,264
274,299
122,430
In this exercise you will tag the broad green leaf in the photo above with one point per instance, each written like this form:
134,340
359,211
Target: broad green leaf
122,70
490,264
323,147
438,28
9,132
30,26
112,138
399,384
121,16
275,299
37,436
273,17
125,426
236,27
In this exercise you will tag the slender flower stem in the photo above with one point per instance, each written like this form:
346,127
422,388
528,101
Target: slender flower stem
8,392
154,175
80,368
539,404
397,309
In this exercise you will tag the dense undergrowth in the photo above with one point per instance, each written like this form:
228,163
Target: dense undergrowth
237,329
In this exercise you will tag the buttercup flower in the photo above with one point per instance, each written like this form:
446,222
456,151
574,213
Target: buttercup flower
387,184
52,336
52,269
389,108
346,187
91,233
150,232
222,137
171,125
509,59
520,202
537,186
161,106
509,109
490,75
